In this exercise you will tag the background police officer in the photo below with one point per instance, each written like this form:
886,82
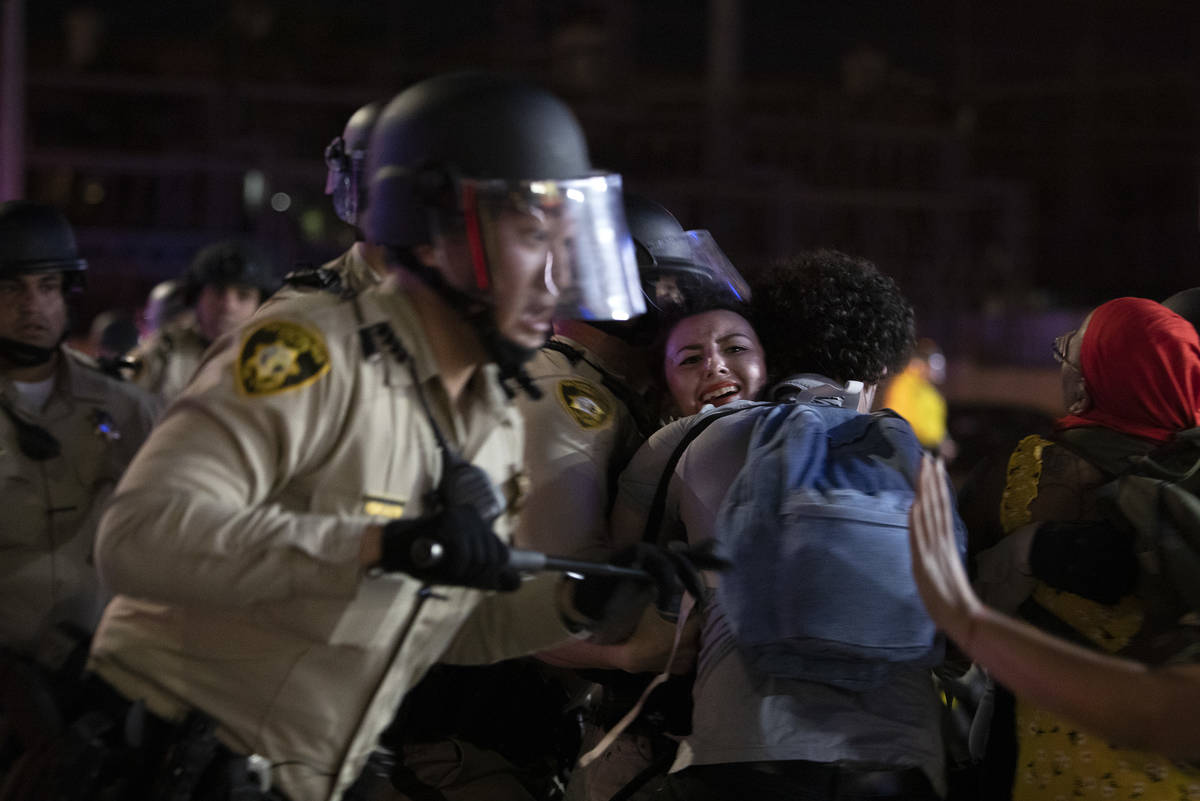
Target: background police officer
363,264
222,287
66,434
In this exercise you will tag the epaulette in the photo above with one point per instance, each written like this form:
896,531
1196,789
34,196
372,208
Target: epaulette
321,278
119,367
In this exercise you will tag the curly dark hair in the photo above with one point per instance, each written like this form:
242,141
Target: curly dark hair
828,313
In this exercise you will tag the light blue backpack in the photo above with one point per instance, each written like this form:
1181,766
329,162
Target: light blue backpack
816,527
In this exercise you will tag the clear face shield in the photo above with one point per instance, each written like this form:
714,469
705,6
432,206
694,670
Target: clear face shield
344,179
544,250
687,265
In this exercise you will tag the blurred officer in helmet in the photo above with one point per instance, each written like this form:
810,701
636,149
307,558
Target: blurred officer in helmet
363,264
326,511
222,287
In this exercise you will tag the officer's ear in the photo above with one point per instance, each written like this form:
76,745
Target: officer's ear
451,256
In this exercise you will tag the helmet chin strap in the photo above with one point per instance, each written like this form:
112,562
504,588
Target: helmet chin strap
22,354
509,356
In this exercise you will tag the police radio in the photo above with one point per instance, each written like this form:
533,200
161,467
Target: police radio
462,483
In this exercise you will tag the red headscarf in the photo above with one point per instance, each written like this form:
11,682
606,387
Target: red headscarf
1141,365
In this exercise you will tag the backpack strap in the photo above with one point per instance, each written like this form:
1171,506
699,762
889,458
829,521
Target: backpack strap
659,505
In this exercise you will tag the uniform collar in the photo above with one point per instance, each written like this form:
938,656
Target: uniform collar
74,381
396,308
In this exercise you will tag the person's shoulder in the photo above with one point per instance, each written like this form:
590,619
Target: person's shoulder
571,391
293,343
561,358
325,309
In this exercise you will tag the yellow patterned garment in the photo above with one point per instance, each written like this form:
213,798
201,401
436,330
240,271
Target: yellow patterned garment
1055,760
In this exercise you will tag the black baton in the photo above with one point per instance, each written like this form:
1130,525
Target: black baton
426,553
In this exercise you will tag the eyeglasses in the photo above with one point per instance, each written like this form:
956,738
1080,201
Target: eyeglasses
1059,349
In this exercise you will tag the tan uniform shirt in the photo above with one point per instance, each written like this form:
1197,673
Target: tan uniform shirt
234,541
578,437
50,507
166,362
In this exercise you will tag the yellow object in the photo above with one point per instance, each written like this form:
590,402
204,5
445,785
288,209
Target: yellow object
917,400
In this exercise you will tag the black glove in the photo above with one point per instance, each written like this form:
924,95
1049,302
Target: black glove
1093,559
453,547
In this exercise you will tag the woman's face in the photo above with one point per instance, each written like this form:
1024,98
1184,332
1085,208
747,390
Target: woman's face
713,357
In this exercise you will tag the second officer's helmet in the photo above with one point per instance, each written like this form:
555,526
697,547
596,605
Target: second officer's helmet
679,269
452,153
346,158
36,238
676,264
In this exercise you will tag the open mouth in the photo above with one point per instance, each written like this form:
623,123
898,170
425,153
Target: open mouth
721,394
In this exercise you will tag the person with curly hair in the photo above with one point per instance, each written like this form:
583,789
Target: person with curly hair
832,326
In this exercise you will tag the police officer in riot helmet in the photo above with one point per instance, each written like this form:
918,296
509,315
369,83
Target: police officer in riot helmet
274,542
66,433
363,264
346,158
221,288
592,412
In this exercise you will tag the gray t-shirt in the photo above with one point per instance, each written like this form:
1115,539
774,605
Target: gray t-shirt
742,717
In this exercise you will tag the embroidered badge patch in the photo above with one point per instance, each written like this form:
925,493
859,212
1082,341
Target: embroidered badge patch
584,403
279,355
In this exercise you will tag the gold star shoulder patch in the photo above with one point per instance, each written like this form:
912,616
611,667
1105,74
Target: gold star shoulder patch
278,355
584,403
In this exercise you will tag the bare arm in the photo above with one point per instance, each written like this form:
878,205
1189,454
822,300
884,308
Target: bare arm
1126,701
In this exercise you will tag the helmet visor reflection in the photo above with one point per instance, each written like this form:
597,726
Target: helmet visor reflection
567,239
690,263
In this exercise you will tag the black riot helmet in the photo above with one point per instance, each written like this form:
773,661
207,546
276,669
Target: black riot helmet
675,264
452,157
35,238
228,263
346,158
678,269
